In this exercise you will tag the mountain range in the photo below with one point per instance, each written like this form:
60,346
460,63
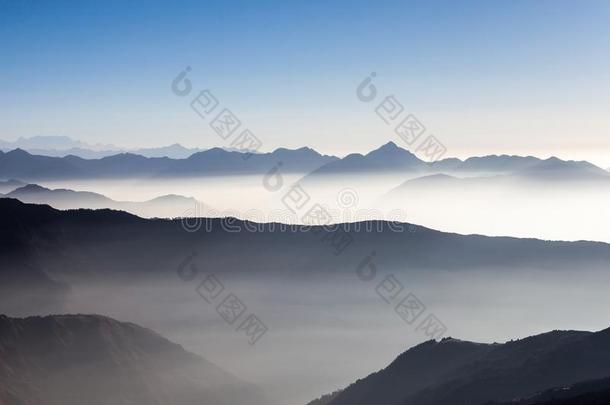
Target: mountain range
92,359
67,248
213,162
534,370
164,206
60,146
392,159
389,158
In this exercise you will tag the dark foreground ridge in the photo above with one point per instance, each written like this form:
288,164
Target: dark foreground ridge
92,359
544,369
41,248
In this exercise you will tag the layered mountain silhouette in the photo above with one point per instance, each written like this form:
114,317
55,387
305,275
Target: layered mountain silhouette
452,371
60,146
41,248
519,165
491,163
92,359
554,168
389,158
551,172
51,142
217,162
165,206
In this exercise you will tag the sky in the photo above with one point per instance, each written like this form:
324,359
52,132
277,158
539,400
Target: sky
519,77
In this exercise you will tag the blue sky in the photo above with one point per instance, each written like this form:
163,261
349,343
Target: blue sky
484,77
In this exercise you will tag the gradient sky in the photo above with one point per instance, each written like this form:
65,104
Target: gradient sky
526,77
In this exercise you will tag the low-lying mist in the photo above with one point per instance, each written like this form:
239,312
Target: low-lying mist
325,332
553,210
326,326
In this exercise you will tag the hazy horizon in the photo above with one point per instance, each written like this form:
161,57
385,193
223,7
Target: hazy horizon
475,81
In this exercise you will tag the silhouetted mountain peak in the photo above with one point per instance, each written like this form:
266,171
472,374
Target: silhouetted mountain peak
390,149
171,198
31,188
387,158
389,146
124,156
300,152
18,153
213,153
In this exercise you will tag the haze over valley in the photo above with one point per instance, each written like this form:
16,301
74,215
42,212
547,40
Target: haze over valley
551,198
304,203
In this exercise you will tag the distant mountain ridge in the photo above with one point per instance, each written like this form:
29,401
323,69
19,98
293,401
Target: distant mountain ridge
53,142
389,158
163,206
392,159
543,173
60,146
213,162
92,359
452,371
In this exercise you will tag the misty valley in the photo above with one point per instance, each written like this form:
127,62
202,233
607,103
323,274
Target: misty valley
276,302
304,203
